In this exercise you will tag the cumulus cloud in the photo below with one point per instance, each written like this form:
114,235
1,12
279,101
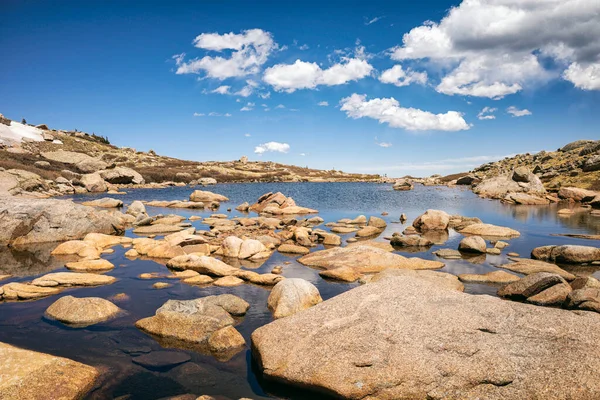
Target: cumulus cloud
399,77
248,50
307,75
494,48
323,104
247,135
280,106
584,77
487,113
515,112
273,147
388,110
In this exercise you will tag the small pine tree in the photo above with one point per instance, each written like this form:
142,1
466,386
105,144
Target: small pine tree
24,121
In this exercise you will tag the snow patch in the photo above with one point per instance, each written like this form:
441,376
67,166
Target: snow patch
16,132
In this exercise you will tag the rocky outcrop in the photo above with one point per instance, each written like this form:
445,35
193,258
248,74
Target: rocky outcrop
105,202
404,337
28,374
94,183
82,312
278,204
291,296
528,267
28,221
122,175
520,180
82,162
403,184
541,288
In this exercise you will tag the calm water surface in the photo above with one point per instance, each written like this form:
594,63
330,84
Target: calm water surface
111,345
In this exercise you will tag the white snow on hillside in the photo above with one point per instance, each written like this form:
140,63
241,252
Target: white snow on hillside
16,132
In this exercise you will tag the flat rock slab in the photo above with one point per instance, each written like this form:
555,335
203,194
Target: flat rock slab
73,279
158,228
90,265
490,231
364,259
23,291
527,267
493,277
30,375
161,360
404,337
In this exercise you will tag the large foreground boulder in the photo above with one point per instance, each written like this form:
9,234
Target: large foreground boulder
26,221
26,374
406,338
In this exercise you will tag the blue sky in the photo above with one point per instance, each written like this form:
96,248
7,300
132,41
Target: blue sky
405,83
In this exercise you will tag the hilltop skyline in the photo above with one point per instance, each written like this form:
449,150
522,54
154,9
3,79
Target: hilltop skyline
379,88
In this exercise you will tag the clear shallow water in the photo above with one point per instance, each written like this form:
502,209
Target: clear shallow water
109,345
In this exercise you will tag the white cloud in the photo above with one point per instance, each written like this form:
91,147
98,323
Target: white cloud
249,51
280,106
399,77
382,144
515,112
246,108
247,135
373,20
487,113
244,92
307,75
303,154
212,114
586,77
323,104
272,146
494,48
222,90
388,111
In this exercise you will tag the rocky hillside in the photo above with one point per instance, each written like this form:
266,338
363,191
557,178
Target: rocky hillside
576,164
40,161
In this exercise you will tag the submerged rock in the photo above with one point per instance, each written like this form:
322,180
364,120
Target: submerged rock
437,343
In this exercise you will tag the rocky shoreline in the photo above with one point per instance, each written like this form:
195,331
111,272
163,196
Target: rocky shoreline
350,346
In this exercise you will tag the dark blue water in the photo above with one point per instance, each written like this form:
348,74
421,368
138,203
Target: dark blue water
107,345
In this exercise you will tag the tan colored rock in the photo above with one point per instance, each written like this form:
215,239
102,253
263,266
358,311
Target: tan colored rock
165,250
368,231
202,264
31,375
570,254
291,296
161,285
198,280
225,339
83,311
472,244
488,230
102,241
105,202
429,332
364,259
490,277
23,291
207,197
527,267
292,249
73,279
442,279
377,222
77,247
432,220
90,265
346,274
157,229
94,183
228,281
